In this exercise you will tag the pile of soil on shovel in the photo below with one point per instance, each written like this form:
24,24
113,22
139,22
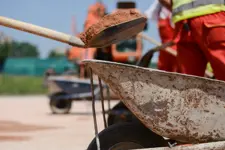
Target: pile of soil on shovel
113,19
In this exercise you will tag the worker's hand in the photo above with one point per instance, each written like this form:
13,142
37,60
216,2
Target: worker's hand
166,3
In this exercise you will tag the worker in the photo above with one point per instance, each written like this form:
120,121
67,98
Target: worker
49,72
77,54
95,13
162,16
200,35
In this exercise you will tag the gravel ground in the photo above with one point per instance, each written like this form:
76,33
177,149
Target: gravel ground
27,123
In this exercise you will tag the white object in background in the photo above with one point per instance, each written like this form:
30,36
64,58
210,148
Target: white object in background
156,11
153,11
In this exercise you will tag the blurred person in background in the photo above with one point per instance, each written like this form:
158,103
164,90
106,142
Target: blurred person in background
95,13
49,72
200,28
162,16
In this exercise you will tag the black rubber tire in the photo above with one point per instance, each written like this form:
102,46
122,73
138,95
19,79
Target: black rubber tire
127,132
63,109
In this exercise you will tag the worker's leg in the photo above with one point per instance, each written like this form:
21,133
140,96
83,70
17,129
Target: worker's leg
163,61
166,32
166,61
217,61
191,59
213,41
173,60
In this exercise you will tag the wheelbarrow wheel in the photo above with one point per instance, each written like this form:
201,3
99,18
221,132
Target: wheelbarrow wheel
60,106
127,136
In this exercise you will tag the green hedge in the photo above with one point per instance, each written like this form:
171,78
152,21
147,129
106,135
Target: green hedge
19,85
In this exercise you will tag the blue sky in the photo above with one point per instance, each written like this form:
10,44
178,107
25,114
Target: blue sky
57,15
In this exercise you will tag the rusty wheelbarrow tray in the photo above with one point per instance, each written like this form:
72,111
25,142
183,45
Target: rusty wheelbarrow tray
185,108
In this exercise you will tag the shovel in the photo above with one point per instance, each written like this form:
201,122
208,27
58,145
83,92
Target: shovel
109,30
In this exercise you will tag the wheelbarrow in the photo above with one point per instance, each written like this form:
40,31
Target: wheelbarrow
63,90
170,106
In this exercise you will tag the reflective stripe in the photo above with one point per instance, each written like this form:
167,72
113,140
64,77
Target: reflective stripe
199,11
195,4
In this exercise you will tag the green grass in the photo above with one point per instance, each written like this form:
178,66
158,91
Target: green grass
21,85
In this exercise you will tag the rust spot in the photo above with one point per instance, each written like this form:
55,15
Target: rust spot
169,124
194,128
171,79
195,134
217,135
158,110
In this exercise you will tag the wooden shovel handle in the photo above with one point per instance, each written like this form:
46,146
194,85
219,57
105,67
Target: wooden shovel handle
168,49
44,32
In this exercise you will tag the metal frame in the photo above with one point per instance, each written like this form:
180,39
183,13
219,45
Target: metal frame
102,104
94,110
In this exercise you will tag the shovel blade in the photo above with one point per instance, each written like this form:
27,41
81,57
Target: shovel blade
120,32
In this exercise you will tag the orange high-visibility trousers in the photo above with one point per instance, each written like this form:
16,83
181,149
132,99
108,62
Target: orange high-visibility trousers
166,61
200,40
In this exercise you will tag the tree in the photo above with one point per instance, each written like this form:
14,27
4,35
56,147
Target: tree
4,52
23,49
54,54
5,49
16,49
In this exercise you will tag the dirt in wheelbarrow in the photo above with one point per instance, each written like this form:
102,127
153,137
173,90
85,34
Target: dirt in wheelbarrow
116,18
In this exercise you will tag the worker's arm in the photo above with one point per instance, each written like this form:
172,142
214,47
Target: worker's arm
166,3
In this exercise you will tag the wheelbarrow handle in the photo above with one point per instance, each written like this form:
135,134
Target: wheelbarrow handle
44,32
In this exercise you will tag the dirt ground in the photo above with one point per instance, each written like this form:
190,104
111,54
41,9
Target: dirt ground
26,122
